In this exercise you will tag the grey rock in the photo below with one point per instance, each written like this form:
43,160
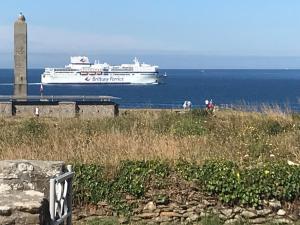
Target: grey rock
282,221
136,218
7,220
162,219
24,185
231,221
237,209
194,217
148,215
4,188
275,205
238,217
173,206
264,212
248,214
28,174
169,214
201,206
192,203
150,206
5,211
32,219
186,215
223,217
22,167
208,203
260,220
165,223
192,209
281,212
157,211
180,211
227,212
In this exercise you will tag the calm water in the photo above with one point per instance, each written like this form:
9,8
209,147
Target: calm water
253,87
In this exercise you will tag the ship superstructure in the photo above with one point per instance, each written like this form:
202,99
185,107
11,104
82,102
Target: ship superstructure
81,71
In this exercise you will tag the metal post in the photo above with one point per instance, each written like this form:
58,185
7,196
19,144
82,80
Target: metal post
70,193
52,199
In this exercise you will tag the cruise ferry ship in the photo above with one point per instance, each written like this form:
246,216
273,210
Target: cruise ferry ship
81,71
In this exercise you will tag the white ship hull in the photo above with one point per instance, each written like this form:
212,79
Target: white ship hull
81,71
77,78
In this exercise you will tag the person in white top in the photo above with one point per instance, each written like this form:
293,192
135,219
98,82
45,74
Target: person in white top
187,105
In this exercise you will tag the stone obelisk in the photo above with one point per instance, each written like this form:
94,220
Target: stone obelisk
20,58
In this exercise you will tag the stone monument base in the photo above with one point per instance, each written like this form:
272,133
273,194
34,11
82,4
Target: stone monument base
24,190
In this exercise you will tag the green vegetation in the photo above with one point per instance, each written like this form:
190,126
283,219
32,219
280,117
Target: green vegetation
237,157
132,178
245,186
224,180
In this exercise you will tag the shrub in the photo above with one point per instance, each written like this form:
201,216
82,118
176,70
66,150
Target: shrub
221,179
90,186
272,127
163,124
248,186
134,175
187,125
32,128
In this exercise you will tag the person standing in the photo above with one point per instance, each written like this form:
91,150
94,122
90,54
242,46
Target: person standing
41,89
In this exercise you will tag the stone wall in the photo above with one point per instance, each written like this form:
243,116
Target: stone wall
83,110
29,110
5,109
153,212
182,202
24,190
95,110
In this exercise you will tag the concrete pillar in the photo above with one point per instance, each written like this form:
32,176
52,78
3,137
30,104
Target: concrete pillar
20,57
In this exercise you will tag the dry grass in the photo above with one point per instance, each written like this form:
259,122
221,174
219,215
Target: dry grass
244,137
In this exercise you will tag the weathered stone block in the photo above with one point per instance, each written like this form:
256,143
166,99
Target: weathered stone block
5,109
28,174
67,109
87,111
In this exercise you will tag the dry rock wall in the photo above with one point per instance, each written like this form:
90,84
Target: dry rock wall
195,211
181,202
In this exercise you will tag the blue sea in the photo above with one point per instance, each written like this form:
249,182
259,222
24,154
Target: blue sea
224,87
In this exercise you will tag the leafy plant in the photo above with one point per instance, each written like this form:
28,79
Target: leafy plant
247,186
132,178
89,184
222,179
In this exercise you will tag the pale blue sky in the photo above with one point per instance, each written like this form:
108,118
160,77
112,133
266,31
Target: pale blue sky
170,33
